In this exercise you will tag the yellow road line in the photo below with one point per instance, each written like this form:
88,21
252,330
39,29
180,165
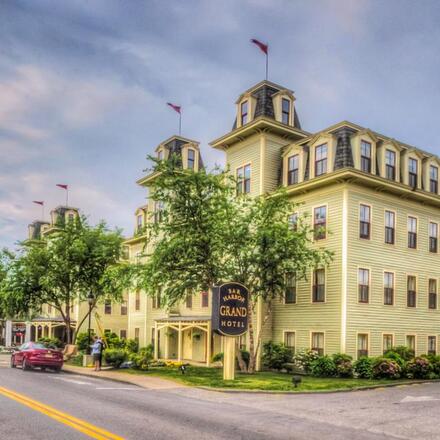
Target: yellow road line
75,423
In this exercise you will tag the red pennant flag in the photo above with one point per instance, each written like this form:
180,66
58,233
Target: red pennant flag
176,108
60,185
38,202
263,47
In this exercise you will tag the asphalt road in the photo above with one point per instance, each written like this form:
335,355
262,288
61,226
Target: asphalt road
126,411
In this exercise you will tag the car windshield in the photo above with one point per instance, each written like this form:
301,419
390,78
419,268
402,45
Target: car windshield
38,347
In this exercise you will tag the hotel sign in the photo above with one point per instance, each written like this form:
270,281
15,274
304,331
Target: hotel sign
230,309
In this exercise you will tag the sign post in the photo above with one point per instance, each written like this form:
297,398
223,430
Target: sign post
230,319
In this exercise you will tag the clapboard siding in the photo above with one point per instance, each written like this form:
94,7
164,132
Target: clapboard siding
305,316
376,318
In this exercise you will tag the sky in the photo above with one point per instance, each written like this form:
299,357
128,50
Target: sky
84,86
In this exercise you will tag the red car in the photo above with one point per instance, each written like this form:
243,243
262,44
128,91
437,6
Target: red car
34,354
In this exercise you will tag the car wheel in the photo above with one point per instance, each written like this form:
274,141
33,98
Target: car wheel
57,369
43,368
25,365
13,362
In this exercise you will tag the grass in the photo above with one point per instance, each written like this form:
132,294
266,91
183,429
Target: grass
263,381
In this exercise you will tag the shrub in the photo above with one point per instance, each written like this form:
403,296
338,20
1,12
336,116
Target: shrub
218,357
114,341
245,356
418,368
434,361
142,359
304,358
82,340
395,356
344,364
115,357
51,342
132,346
276,355
363,367
404,352
323,366
384,368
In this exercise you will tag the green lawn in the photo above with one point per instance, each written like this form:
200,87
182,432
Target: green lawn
212,377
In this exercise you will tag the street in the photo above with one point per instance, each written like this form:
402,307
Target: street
102,409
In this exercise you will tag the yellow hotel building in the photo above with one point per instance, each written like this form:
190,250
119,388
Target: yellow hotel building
379,201
108,316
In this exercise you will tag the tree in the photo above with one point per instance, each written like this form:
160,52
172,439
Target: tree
268,248
190,237
66,266
207,235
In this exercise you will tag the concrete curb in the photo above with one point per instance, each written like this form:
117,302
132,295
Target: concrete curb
244,391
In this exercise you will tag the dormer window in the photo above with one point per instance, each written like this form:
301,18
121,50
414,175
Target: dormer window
433,179
292,169
139,222
71,217
160,154
412,172
244,112
390,165
320,160
366,156
191,159
158,208
244,180
285,111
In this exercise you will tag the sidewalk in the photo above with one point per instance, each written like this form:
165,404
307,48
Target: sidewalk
144,381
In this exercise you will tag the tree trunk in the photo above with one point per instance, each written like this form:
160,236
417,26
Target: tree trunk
252,352
83,320
67,323
241,363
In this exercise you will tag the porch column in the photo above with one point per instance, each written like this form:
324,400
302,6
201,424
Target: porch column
167,343
27,335
156,342
208,345
50,330
8,333
179,343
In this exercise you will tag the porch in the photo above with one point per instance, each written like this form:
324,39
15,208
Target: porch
184,338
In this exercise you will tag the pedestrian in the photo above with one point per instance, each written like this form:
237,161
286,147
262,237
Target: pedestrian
97,353
101,342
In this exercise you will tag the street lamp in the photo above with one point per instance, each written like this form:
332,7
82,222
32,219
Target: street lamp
90,300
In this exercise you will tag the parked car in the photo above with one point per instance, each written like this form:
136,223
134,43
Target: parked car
33,354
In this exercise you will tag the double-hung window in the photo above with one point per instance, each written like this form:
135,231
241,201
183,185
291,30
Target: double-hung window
191,159
124,308
412,172
387,342
320,160
364,221
292,169
318,343
390,165
411,343
364,285
157,300
137,302
205,298
290,295
108,307
366,156
318,285
320,222
244,112
432,345
390,226
433,237
433,179
293,221
412,232
189,300
432,294
289,340
139,222
388,288
362,343
244,180
285,111
411,294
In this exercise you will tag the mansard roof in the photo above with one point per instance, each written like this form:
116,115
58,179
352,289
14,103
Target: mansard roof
263,93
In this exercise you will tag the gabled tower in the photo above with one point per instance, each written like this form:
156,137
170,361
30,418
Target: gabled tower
266,121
